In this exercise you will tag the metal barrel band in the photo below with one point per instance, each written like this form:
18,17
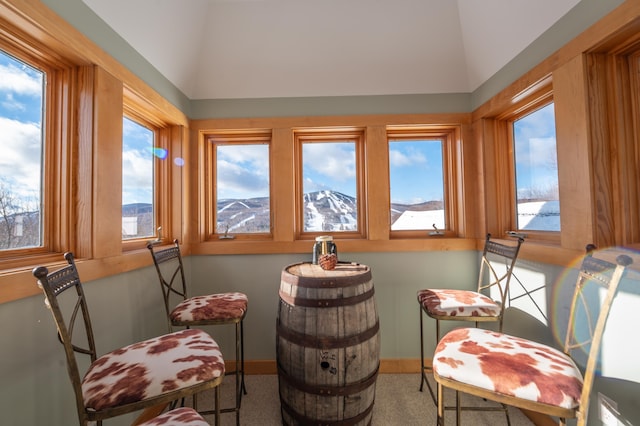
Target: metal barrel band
326,390
326,342
327,303
352,421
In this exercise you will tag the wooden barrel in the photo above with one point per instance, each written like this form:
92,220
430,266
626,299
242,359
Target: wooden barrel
327,345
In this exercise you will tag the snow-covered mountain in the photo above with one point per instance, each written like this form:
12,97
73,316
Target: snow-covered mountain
334,211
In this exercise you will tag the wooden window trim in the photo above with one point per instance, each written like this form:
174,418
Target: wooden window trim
159,179
505,214
451,170
326,135
209,173
59,103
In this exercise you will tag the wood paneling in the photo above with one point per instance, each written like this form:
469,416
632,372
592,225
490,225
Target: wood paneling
574,149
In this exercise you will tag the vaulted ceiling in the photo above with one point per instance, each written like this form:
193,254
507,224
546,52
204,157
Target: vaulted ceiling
232,49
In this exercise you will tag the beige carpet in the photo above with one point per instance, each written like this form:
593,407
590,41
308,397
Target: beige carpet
398,402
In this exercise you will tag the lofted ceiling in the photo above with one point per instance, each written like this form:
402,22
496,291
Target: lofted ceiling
232,49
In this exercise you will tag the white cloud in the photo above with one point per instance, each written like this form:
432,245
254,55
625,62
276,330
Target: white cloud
137,177
335,160
17,80
400,159
20,155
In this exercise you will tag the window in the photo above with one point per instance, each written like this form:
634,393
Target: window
536,170
422,180
416,184
138,158
241,185
21,115
330,182
22,89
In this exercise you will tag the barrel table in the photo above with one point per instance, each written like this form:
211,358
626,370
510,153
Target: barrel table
327,345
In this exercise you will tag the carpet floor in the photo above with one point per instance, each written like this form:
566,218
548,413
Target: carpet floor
398,401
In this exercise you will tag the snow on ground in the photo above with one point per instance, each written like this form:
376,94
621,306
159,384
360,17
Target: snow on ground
536,215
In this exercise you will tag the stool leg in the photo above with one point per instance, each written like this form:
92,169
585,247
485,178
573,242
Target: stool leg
217,405
244,388
422,378
239,367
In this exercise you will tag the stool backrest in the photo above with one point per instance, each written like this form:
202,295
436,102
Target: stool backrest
594,276
490,278
170,269
70,313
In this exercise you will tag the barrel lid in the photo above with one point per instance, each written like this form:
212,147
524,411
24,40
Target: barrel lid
306,274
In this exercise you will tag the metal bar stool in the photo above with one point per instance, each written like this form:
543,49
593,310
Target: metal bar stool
212,309
447,304
127,379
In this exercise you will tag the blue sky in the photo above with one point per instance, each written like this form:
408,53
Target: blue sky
536,156
20,128
137,163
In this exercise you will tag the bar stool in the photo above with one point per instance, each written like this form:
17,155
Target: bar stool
212,309
447,304
153,372
183,416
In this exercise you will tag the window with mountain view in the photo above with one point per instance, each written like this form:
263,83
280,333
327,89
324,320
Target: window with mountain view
138,153
416,184
329,182
536,170
21,163
242,185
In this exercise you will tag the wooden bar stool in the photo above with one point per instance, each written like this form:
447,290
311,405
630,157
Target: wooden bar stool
212,309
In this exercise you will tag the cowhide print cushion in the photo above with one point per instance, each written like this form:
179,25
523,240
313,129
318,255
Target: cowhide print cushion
462,303
184,416
222,306
509,365
152,367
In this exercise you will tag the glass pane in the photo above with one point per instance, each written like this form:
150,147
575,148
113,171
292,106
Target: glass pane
538,203
242,189
138,152
416,185
21,162
329,187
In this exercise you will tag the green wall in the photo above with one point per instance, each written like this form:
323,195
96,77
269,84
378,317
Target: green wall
35,388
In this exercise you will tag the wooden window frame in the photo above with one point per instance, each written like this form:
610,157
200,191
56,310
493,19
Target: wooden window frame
506,213
328,135
159,178
57,213
450,137
231,137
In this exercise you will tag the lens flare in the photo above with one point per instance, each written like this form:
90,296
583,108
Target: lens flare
585,318
161,153
178,161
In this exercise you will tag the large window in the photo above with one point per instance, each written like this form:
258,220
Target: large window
241,184
536,170
138,158
330,182
21,163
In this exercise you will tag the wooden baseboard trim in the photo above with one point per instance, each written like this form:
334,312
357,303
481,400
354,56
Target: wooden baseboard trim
387,366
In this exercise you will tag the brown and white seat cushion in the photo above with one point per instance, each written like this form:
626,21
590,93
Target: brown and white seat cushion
218,307
184,416
462,303
152,367
509,365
